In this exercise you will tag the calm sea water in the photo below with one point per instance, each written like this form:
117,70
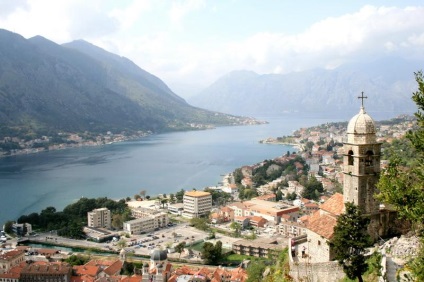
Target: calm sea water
162,163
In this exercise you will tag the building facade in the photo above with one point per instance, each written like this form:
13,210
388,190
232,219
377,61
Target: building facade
197,204
52,272
146,223
99,218
11,259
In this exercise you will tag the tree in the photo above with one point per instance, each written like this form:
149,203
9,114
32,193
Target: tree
313,188
180,248
309,145
77,260
291,196
8,227
350,239
402,186
255,271
121,243
171,198
212,253
137,197
117,221
279,195
163,202
199,223
143,193
236,227
180,195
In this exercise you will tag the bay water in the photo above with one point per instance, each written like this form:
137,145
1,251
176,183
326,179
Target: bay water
162,163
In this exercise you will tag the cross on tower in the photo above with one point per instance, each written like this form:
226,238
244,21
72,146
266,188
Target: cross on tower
362,97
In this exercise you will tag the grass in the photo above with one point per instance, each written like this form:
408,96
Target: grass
237,257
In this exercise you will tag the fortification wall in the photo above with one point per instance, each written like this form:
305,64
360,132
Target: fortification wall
316,272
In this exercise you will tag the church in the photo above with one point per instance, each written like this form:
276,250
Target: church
311,255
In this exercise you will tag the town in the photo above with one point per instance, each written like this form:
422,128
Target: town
257,211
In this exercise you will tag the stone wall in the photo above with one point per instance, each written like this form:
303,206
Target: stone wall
316,272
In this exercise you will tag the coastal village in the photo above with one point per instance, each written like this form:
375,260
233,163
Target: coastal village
11,146
278,217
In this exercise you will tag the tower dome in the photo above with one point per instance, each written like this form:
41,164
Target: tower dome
362,123
361,128
158,255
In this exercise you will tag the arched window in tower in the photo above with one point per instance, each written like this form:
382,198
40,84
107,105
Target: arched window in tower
369,158
350,157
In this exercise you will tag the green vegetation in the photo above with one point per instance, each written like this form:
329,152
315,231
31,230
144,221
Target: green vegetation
77,260
313,188
268,171
180,248
402,186
402,148
70,222
219,198
350,240
278,268
200,223
129,266
211,253
374,269
93,91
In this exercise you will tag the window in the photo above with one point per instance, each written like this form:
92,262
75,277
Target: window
369,158
350,158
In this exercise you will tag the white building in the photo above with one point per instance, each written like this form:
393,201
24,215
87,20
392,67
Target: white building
176,208
146,220
99,218
196,203
22,229
140,225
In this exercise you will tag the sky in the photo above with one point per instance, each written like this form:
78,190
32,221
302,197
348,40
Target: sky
189,44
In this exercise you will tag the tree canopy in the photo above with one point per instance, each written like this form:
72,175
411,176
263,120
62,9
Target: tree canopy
70,221
350,240
401,184
212,253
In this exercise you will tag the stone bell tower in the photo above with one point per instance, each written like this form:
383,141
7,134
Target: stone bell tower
361,166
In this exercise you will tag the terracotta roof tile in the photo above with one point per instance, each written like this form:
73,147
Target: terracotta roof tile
90,270
334,205
322,224
83,278
114,269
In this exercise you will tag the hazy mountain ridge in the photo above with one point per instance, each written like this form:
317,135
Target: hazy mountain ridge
388,83
80,87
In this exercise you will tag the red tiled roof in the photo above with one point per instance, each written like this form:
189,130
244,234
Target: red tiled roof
11,254
322,224
334,205
90,270
83,278
100,262
134,278
257,218
114,269
226,209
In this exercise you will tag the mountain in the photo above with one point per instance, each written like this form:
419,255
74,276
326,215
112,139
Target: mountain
77,87
388,83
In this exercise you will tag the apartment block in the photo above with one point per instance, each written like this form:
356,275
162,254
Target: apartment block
99,218
197,203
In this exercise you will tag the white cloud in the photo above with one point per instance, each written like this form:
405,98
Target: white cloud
9,7
156,35
180,9
367,34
